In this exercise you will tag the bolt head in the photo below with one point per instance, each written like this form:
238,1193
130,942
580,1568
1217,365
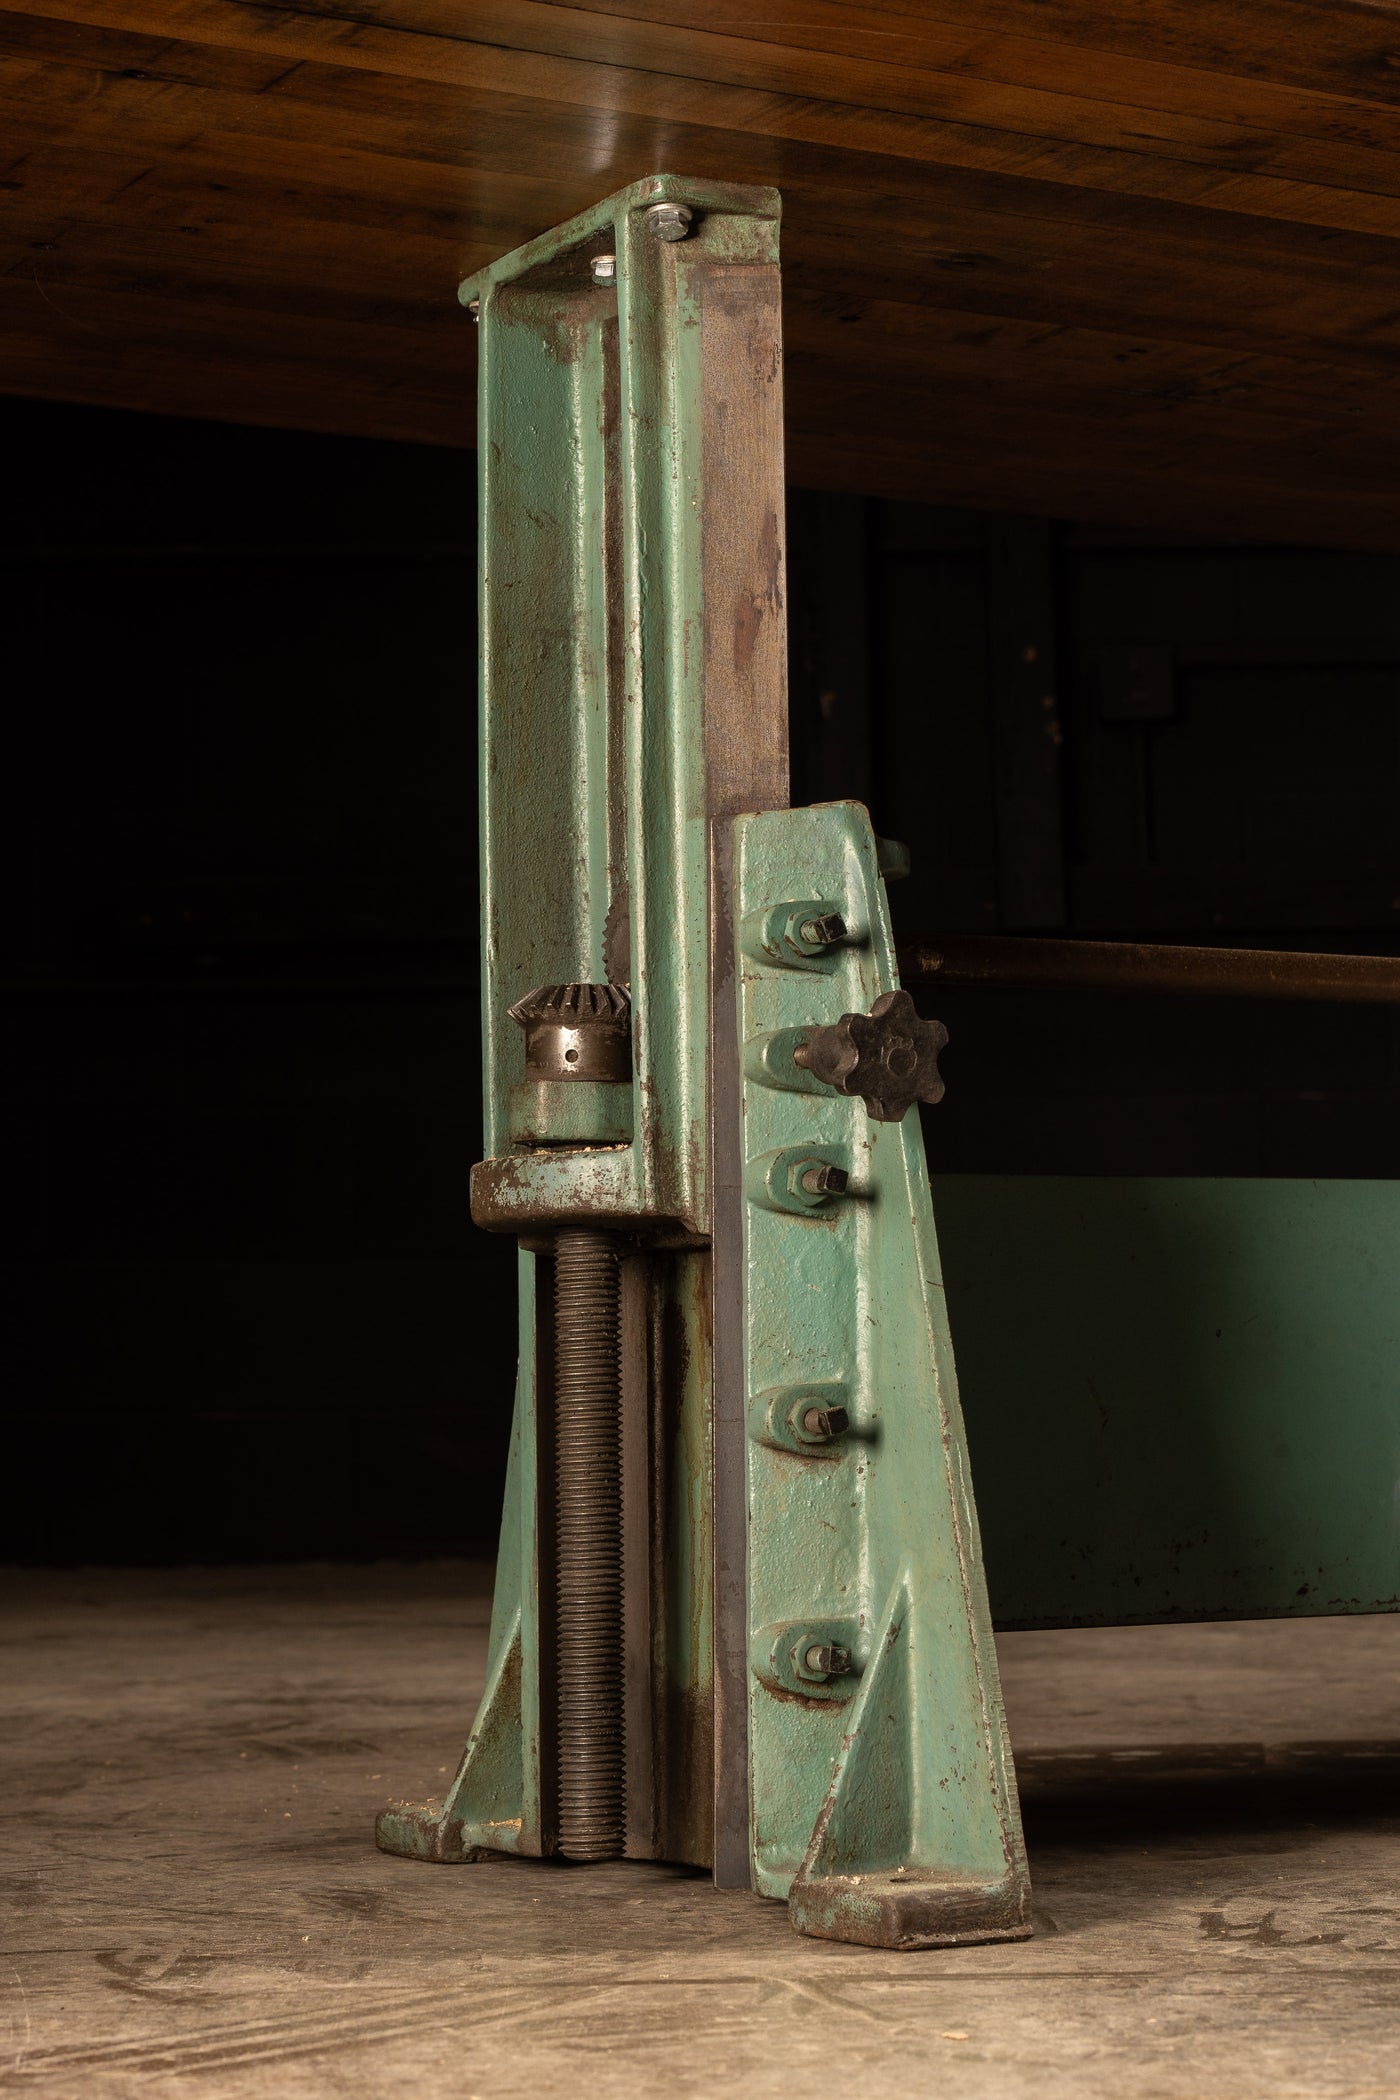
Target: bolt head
605,269
669,222
474,309
825,1659
824,932
826,1421
824,1180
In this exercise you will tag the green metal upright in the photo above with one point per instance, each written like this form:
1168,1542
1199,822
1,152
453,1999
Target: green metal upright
867,1539
761,1423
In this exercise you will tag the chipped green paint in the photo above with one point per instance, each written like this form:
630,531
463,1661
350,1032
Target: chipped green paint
879,1781
1208,1370
595,864
593,782
883,1801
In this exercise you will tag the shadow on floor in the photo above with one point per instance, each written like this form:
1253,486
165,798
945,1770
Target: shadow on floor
1173,1790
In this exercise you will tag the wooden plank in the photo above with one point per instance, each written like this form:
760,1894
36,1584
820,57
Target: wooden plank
1239,48
1066,268
1210,1809
783,123
1350,291
1078,143
1007,229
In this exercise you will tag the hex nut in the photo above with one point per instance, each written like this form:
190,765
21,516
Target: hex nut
826,1422
824,932
669,222
823,1180
825,1659
604,269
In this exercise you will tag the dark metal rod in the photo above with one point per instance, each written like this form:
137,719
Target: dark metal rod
1002,960
588,1490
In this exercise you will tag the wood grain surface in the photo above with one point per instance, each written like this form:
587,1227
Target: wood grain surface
1129,260
195,1909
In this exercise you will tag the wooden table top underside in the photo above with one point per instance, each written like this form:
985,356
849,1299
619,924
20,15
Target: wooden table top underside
1123,260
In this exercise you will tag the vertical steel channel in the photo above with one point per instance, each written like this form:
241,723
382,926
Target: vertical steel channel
746,767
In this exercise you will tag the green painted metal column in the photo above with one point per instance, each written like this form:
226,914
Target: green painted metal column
807,1684
883,1800
632,692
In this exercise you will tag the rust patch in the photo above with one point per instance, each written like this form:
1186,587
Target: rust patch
745,644
687,1823
753,607
815,1703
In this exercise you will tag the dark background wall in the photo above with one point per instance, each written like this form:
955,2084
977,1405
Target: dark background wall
1102,734
243,1311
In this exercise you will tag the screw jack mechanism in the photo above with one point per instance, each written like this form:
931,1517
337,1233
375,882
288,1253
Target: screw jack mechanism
588,1545
578,1046
739,1618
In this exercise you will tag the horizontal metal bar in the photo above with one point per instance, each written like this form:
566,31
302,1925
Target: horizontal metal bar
1003,961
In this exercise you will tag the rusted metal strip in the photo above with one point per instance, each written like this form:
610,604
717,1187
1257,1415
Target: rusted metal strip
997,961
746,767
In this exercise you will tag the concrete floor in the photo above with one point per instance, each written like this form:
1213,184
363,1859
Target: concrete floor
195,1905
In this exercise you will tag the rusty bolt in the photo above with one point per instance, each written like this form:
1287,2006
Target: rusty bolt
826,1421
825,1659
669,222
825,931
605,269
825,1180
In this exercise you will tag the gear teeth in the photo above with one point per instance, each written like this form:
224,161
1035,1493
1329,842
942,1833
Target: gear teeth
574,1006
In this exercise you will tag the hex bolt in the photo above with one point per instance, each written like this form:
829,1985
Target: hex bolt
825,1180
669,222
826,1421
823,932
825,1659
588,1504
605,269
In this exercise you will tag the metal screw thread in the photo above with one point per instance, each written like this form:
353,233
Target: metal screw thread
588,1493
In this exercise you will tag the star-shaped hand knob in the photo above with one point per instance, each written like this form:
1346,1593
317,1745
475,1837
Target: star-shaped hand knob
889,1057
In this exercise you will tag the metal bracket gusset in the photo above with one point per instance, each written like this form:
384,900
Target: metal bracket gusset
882,1800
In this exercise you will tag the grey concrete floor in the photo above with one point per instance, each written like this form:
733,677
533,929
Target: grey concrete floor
194,1904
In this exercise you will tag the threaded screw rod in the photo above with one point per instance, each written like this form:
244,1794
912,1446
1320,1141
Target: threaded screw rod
588,1497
